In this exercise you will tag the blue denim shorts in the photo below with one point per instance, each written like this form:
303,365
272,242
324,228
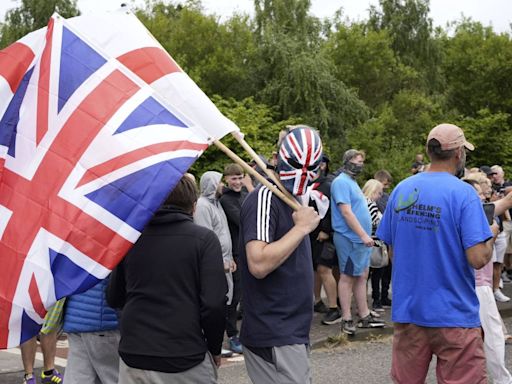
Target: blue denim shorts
354,258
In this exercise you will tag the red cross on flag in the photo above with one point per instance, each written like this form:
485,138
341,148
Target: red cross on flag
97,124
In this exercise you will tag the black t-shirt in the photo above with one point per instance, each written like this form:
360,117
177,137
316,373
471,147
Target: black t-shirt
499,187
231,202
418,166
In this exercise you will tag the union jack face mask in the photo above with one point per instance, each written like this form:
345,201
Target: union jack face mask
299,158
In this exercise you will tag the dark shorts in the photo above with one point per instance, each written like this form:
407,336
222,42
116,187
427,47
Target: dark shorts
324,253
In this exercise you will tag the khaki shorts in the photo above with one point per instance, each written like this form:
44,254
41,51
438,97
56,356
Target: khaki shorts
507,229
499,249
459,351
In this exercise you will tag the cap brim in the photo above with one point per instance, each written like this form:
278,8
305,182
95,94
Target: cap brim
469,146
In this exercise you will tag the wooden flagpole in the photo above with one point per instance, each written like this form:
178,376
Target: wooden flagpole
239,137
287,199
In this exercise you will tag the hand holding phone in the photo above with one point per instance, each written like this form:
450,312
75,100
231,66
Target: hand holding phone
489,212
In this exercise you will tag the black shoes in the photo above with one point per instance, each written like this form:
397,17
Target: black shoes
333,316
386,303
377,306
320,307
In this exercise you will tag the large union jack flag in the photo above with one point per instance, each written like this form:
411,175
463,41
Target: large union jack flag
88,151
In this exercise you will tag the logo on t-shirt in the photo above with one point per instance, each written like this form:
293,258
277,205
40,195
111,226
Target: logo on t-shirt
422,216
402,204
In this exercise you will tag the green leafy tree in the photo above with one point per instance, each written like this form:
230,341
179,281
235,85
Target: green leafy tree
256,121
364,60
214,54
287,17
295,75
491,134
392,139
410,28
32,15
478,68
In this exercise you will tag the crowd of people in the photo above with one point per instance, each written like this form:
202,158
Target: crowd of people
231,248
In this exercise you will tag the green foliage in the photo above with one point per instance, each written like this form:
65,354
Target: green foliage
256,121
297,77
492,135
378,85
32,15
478,69
215,55
287,17
302,84
364,60
392,139
410,28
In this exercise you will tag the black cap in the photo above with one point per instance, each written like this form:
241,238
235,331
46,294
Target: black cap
487,170
262,158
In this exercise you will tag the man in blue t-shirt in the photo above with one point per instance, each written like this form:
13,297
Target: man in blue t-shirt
438,232
352,226
275,263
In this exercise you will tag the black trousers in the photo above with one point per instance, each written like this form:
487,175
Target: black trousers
386,281
231,315
381,279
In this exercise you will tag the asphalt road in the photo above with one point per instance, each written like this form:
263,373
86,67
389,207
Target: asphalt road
366,362
357,362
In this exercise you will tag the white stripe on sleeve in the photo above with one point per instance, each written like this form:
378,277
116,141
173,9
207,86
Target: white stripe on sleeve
263,214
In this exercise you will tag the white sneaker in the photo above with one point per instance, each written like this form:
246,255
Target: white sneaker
505,278
500,284
499,296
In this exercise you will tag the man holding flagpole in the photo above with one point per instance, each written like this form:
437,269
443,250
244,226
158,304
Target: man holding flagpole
275,258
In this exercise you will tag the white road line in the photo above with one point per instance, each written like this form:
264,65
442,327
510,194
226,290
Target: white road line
235,359
39,356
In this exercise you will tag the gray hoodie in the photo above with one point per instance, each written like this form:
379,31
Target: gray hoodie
209,214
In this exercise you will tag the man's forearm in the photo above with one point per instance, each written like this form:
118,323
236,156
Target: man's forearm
353,223
479,255
263,258
500,206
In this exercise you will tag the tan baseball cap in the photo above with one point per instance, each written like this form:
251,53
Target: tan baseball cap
450,137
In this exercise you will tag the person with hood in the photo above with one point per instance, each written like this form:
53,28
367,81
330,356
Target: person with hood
352,226
209,214
275,263
172,291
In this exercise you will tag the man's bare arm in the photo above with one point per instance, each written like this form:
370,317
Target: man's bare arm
480,254
501,205
353,223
